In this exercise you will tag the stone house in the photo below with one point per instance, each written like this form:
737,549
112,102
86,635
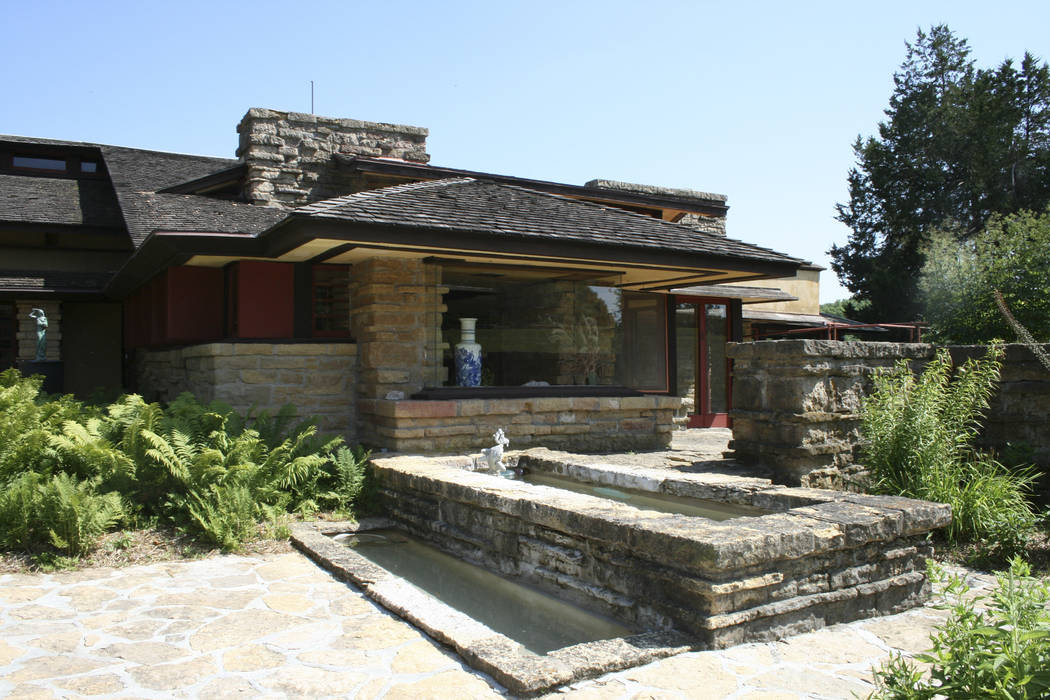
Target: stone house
329,266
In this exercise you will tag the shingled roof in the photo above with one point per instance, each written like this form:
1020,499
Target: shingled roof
63,201
128,198
498,209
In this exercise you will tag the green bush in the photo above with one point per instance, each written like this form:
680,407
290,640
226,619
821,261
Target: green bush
62,511
918,442
351,483
69,471
1002,652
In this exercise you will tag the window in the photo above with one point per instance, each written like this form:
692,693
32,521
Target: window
551,326
330,301
52,162
34,163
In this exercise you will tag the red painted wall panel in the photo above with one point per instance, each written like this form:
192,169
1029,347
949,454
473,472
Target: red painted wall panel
195,304
265,299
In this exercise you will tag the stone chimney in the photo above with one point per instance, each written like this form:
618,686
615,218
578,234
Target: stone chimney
704,211
289,154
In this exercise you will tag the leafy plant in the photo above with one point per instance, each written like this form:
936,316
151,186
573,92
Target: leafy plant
60,511
918,442
69,472
1001,652
352,485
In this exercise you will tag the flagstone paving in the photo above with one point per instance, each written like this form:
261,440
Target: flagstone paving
277,626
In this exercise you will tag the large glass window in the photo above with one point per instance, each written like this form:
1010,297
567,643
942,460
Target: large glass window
554,327
716,372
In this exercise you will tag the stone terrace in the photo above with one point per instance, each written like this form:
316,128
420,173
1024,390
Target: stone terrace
278,626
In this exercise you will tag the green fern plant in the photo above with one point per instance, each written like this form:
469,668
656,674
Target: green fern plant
223,514
918,442
64,512
76,514
350,483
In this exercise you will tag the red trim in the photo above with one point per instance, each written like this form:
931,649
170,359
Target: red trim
709,420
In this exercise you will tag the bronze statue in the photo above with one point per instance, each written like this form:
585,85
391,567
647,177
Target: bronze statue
41,334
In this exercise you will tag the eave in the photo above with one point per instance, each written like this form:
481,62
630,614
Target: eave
308,239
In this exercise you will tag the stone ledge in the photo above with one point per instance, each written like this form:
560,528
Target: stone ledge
772,349
518,669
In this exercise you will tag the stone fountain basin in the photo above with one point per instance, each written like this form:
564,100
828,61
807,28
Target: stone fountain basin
521,671
818,557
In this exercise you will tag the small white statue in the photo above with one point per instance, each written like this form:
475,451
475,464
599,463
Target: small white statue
494,455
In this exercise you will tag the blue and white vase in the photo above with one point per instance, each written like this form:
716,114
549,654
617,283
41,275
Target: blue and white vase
468,355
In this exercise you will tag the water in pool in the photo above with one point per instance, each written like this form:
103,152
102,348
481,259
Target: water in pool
538,621
665,503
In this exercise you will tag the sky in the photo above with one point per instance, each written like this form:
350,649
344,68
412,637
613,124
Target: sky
760,101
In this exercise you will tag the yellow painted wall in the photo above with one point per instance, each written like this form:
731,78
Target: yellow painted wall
805,285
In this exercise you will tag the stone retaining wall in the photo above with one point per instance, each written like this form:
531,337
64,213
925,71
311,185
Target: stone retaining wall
818,558
588,424
796,403
316,378
1020,409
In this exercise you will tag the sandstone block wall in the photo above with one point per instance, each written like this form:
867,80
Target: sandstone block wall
316,378
289,154
466,425
796,403
818,558
1020,409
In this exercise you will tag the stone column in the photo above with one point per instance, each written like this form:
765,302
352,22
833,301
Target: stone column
27,329
796,404
388,319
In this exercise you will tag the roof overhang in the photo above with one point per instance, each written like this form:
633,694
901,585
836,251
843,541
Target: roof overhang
303,239
747,295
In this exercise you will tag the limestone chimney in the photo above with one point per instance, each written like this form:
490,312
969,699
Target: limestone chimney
289,154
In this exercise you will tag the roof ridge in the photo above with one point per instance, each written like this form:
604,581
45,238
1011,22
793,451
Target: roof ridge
322,206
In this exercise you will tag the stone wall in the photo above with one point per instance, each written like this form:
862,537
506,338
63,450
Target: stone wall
289,154
1020,409
580,423
796,403
708,224
317,378
391,308
27,329
815,557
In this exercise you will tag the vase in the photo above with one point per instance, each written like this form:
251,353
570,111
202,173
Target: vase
468,355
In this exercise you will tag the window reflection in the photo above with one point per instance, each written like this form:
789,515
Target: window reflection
554,327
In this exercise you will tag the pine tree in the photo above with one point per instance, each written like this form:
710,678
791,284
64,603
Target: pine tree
959,145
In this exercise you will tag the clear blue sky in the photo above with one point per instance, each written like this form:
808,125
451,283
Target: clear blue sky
759,101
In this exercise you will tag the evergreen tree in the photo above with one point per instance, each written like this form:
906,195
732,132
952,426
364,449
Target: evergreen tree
959,145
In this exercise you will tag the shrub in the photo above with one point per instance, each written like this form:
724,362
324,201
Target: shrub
1003,652
62,511
351,482
919,434
200,466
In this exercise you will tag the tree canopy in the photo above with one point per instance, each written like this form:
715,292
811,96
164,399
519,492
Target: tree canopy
959,145
958,282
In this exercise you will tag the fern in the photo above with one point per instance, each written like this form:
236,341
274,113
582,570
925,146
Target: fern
224,515
62,511
919,434
76,514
